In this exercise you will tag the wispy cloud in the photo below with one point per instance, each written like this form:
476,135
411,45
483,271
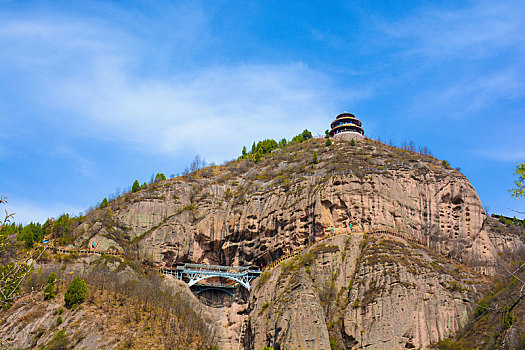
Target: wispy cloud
81,163
510,154
473,30
467,95
211,109
469,55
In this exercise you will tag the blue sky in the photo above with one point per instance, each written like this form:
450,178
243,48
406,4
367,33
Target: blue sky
94,95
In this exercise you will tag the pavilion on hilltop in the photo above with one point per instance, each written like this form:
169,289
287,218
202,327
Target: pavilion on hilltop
346,126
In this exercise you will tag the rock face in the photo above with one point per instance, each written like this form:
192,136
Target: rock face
243,213
353,291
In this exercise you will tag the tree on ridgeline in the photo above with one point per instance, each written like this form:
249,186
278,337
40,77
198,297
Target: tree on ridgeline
104,203
258,155
306,134
136,186
160,177
30,234
197,163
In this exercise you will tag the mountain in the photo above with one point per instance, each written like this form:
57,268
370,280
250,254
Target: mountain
393,248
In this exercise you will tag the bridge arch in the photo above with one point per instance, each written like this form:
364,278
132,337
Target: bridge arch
197,279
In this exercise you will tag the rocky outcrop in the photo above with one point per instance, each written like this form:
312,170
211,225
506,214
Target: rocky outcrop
350,291
354,291
244,213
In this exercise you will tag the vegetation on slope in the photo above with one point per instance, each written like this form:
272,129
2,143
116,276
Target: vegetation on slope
121,309
498,322
268,146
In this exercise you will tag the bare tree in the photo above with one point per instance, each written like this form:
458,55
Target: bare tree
13,273
197,163
8,216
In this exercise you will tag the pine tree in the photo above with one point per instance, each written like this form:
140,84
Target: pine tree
76,292
315,158
136,186
104,203
27,237
160,177
49,291
258,155
243,151
306,134
328,142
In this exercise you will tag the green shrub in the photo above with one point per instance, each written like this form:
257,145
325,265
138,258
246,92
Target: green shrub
263,278
315,160
445,163
508,318
59,341
352,143
448,344
482,308
76,292
333,344
356,303
328,142
49,291
59,320
307,259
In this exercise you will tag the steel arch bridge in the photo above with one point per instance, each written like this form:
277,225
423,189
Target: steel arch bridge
195,273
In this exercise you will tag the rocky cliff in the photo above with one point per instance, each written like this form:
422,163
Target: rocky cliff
354,289
245,213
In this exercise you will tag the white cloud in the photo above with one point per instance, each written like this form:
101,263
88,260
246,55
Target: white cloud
212,110
470,55
510,154
470,94
475,30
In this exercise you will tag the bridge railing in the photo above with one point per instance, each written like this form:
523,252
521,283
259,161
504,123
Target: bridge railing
218,268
